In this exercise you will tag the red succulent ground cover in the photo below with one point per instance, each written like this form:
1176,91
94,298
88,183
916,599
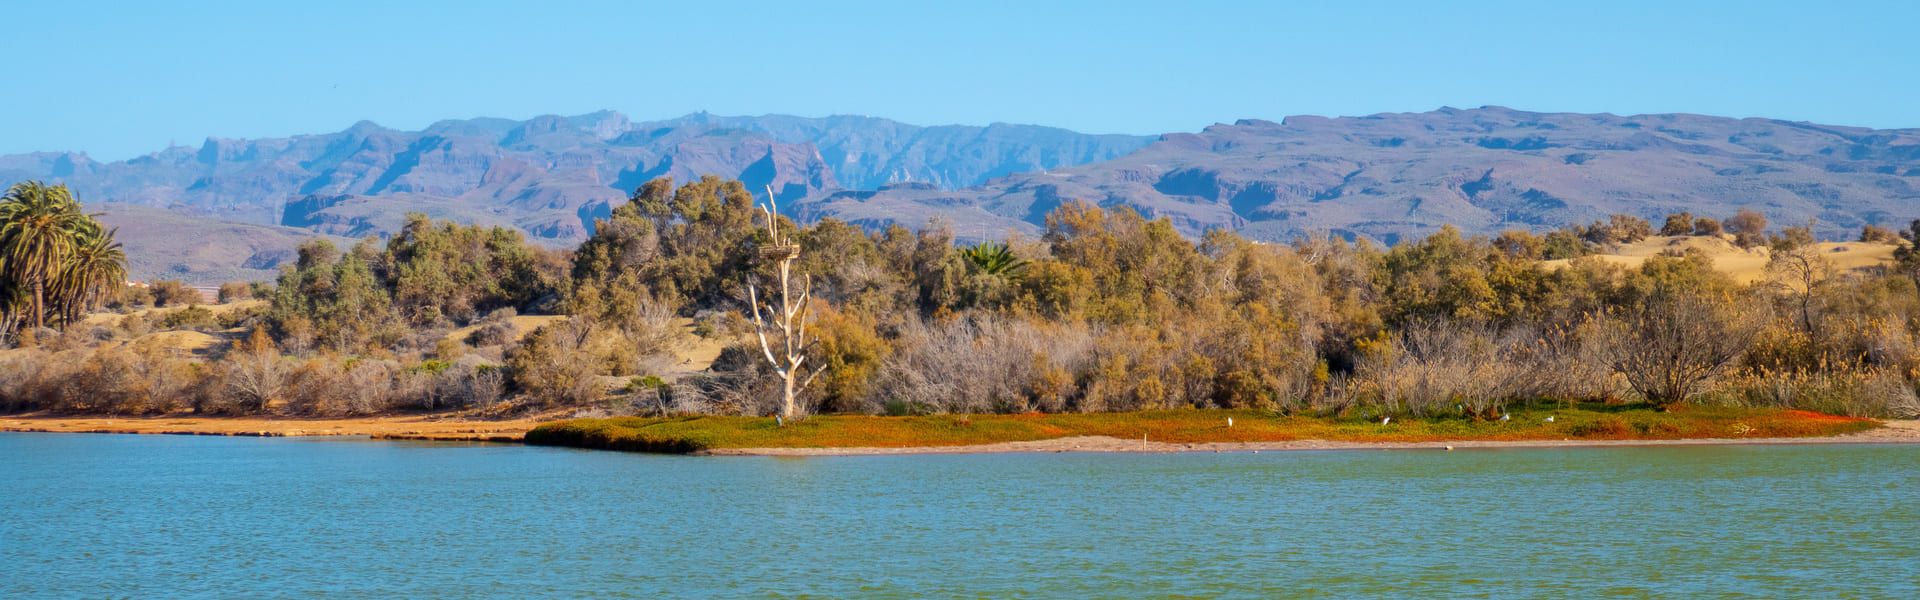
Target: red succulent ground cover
1571,422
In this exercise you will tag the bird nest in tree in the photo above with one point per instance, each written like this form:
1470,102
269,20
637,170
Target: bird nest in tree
779,252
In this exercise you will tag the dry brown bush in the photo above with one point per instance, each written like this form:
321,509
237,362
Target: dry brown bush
251,377
232,292
112,380
474,383
170,377
495,329
1876,393
130,297
317,387
1670,347
369,386
555,365
422,339
741,383
173,292
297,334
326,386
493,334
984,363
135,325
33,379
1434,367
1878,235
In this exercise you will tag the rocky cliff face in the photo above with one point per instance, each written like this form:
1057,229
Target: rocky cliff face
866,152
549,176
1396,175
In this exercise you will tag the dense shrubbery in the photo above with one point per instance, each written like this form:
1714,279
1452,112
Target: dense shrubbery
1106,311
428,276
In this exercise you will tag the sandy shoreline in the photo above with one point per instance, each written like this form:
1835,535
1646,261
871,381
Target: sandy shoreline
1895,432
401,427
457,428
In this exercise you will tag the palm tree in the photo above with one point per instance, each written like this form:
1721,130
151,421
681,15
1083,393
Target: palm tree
995,259
37,226
97,266
12,300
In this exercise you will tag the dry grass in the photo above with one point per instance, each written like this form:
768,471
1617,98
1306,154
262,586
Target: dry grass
108,319
1581,421
523,323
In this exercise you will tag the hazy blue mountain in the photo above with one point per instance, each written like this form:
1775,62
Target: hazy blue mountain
1389,176
550,175
1384,176
867,152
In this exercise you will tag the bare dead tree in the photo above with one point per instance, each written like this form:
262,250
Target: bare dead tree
1315,246
1800,269
782,329
1670,346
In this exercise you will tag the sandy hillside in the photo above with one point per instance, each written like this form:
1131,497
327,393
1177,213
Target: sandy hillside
1746,266
690,354
523,324
185,341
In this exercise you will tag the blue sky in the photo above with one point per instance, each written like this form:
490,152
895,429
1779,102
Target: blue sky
121,79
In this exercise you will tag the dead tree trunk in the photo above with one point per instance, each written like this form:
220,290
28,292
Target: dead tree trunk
783,329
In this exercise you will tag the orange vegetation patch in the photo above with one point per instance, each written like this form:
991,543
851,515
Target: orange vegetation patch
1576,422
1814,416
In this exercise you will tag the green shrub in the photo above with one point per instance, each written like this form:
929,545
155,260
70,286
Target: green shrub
191,317
132,296
247,318
627,434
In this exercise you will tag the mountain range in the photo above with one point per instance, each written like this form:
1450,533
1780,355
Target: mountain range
1386,176
1484,170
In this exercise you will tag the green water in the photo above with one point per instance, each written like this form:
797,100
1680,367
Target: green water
102,516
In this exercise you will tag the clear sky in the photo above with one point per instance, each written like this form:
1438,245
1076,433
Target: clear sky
122,79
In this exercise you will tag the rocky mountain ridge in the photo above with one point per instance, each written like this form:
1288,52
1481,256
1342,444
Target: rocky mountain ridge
549,176
1391,176
1386,177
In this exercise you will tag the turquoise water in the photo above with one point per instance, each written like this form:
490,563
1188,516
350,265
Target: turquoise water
109,516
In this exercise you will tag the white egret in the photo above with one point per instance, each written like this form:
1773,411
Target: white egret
1549,418
1386,420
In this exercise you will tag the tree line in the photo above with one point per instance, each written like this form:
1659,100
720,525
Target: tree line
56,261
1106,310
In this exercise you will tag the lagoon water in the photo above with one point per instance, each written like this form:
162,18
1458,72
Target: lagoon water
113,516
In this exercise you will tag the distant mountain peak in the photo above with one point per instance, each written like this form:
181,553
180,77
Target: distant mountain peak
549,175
364,127
1393,175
